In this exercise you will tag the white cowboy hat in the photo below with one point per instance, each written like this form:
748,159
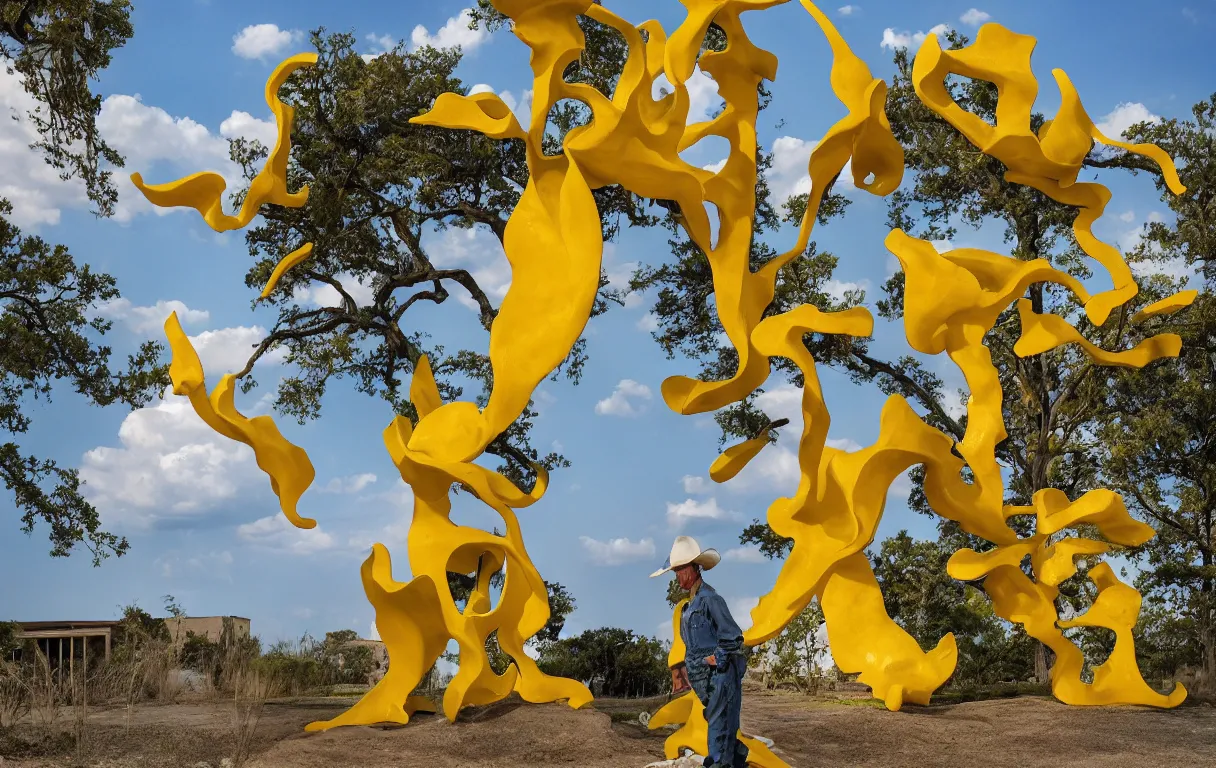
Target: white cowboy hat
686,550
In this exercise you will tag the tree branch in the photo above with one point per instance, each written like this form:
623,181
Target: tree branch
923,395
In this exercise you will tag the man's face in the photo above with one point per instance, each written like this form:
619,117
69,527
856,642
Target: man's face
687,576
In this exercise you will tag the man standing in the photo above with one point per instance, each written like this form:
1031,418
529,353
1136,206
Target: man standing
714,654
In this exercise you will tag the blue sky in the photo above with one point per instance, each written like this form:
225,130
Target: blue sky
202,521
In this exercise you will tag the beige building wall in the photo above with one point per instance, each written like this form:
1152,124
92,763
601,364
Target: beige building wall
211,627
379,655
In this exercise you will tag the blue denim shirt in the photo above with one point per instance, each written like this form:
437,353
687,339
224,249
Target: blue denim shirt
708,629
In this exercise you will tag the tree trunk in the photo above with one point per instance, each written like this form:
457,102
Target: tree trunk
1205,680
1042,672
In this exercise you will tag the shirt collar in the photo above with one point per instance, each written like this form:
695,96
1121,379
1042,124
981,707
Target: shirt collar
697,588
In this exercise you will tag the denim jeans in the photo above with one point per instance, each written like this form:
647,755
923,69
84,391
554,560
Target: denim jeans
720,690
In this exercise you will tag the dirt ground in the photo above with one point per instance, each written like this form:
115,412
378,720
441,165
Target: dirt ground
1027,731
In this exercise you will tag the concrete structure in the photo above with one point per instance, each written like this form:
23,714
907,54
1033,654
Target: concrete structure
67,641
211,627
379,655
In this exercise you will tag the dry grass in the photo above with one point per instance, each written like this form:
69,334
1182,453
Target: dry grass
80,712
46,691
250,692
14,694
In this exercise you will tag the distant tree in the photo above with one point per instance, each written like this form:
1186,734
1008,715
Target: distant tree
1157,440
794,655
675,593
378,185
614,662
46,336
172,608
1052,402
561,605
58,47
8,639
928,603
138,628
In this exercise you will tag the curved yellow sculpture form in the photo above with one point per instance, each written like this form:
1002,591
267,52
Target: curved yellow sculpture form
288,465
554,244
204,192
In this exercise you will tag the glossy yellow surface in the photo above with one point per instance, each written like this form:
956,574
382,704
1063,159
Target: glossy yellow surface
554,245
204,191
296,257
288,465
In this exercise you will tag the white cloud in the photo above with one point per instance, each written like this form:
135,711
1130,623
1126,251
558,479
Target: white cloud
848,10
1124,116
789,176
775,472
974,17
695,484
244,125
617,551
397,503
373,633
522,106
454,33
361,289
626,400
741,610
955,407
900,487
619,274
228,349
838,288
476,250
648,323
33,187
665,631
678,515
150,320
156,144
1127,217
748,554
844,444
169,465
1175,269
896,40
258,41
703,97
541,400
149,138
276,533
1130,239
351,484
381,44
781,402
716,167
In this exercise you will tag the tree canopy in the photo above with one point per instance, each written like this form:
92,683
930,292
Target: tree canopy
47,337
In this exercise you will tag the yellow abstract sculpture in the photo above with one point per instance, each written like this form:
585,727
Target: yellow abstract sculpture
554,244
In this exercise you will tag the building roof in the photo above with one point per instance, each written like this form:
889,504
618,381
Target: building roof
37,626
194,618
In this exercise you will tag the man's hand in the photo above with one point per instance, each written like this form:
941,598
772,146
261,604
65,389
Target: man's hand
711,661
679,680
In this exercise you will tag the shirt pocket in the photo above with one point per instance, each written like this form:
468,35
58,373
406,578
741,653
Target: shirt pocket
698,626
